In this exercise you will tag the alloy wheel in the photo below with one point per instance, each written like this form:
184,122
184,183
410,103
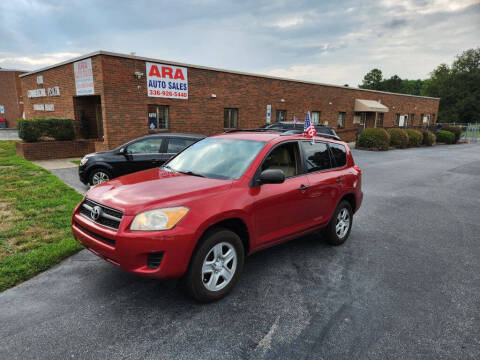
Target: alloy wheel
343,223
219,266
100,177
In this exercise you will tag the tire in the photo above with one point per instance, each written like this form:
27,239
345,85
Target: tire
97,174
343,214
206,279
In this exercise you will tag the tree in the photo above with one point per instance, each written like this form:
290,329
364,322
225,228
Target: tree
372,80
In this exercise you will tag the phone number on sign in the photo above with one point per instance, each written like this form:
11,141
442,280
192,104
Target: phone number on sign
167,93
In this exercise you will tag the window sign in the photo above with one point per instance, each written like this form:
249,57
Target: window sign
38,107
157,117
40,79
269,114
84,77
2,109
167,81
49,107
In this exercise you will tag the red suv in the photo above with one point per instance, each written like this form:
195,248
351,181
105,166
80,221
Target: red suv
224,197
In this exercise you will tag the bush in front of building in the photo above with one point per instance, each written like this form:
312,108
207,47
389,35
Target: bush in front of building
445,136
415,137
456,130
374,138
398,138
32,130
429,138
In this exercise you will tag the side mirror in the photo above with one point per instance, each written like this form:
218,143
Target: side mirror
122,151
271,176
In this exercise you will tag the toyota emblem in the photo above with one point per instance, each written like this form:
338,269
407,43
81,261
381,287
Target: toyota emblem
95,212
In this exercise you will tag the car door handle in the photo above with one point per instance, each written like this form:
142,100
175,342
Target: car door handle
339,180
303,188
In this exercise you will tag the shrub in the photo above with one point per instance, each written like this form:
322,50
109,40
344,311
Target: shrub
374,138
446,137
456,130
398,138
415,137
428,138
59,129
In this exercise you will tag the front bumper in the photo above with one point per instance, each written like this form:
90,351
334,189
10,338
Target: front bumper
130,250
83,174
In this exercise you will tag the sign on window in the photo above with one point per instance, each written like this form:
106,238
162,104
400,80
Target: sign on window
167,81
84,77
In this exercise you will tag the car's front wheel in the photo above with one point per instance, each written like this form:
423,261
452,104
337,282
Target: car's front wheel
216,266
99,175
340,225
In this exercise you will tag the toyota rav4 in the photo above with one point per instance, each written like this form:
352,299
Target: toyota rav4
222,198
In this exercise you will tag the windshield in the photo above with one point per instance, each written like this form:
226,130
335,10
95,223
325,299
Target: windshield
218,158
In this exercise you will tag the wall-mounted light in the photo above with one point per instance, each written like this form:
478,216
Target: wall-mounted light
213,96
282,100
138,75
329,103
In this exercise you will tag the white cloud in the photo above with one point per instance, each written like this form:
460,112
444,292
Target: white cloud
34,62
289,22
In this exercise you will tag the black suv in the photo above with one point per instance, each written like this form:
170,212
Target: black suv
139,154
322,130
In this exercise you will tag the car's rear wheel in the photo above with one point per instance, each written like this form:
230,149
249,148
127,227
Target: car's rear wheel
216,266
340,225
99,175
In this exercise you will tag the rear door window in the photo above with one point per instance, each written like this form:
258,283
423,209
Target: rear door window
145,146
339,154
317,156
175,145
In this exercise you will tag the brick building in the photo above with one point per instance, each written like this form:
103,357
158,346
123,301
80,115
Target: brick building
11,101
115,97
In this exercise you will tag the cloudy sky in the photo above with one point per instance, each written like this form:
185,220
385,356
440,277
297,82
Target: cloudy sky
326,41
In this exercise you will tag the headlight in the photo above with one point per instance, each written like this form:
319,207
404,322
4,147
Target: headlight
83,161
159,219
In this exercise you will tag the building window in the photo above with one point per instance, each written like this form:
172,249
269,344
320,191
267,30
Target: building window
157,117
420,121
360,118
380,119
281,115
341,120
397,119
230,118
432,119
316,117
412,119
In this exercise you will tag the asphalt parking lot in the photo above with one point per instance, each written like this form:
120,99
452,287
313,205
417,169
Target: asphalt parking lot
406,285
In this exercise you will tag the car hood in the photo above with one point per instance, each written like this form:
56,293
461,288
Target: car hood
154,188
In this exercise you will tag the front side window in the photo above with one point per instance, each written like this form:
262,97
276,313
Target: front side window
317,157
316,117
281,115
339,154
230,118
157,117
284,157
380,119
217,158
341,120
145,146
175,145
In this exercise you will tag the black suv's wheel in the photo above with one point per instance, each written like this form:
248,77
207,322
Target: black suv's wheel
99,175
340,225
216,266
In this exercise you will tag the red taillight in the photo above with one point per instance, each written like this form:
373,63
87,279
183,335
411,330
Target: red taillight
356,167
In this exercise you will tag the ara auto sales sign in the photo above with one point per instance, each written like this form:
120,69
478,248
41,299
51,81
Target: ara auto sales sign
167,81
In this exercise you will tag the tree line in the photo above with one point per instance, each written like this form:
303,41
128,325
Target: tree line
457,86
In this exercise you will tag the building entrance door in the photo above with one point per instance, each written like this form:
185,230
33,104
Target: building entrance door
88,116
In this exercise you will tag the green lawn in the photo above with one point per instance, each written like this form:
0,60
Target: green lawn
35,213
76,162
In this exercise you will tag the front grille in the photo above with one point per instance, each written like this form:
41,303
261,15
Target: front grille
154,260
95,235
107,217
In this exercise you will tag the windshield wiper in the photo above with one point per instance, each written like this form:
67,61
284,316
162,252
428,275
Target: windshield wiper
191,173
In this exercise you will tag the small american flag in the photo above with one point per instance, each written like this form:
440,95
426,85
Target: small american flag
295,120
309,127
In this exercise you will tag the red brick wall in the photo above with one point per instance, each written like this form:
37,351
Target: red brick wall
124,100
11,96
54,149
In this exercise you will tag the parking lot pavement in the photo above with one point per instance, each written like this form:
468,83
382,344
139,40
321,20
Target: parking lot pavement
405,285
